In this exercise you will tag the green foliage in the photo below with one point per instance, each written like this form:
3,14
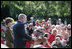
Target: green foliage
42,9
14,22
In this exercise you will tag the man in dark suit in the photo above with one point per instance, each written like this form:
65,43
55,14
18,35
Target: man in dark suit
20,36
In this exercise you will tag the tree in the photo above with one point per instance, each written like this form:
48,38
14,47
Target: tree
42,9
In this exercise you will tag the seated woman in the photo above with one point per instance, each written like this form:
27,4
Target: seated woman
30,30
45,41
37,23
52,36
57,43
43,22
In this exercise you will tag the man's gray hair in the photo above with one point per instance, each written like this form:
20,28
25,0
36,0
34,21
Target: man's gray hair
21,16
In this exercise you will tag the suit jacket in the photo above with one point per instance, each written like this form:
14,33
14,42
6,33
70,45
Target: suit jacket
20,36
